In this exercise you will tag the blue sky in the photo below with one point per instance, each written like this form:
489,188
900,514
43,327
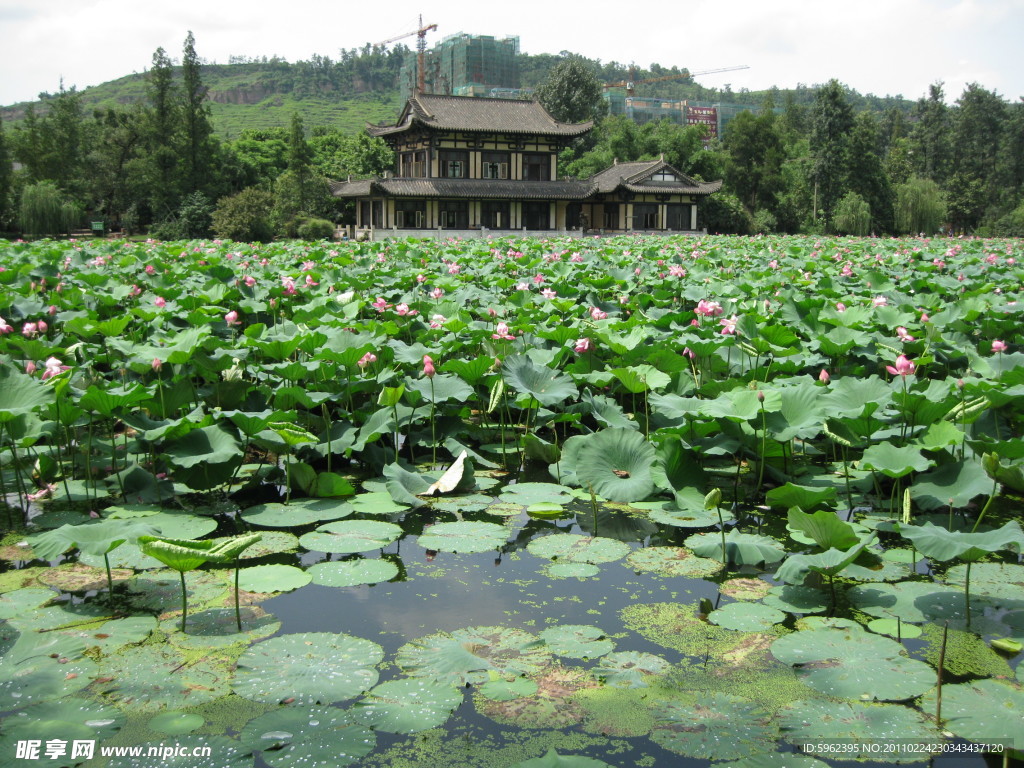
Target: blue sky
885,47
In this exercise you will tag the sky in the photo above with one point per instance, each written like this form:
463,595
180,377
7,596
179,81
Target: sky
882,47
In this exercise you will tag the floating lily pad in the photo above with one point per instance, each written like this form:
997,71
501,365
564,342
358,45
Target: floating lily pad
376,503
999,580
578,549
552,706
150,678
407,706
571,570
178,525
297,513
982,710
202,752
882,570
176,723
577,641
161,590
126,556
79,577
351,536
548,510
691,517
797,599
272,578
64,721
856,722
745,589
630,669
463,536
217,627
270,543
470,503
777,760
746,617
913,601
19,601
308,668
37,667
535,493
854,664
505,509
310,737
117,633
719,727
894,628
350,573
470,655
903,555
672,561
499,689
552,759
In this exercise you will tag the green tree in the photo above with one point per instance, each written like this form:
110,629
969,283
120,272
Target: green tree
196,129
831,123
866,173
920,207
296,200
852,216
572,93
161,152
6,181
245,217
755,156
930,137
44,210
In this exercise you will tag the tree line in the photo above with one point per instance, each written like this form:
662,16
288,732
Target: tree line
823,166
820,161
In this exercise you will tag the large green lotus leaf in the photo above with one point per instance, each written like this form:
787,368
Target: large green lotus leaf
218,627
982,710
272,578
616,464
20,394
206,445
578,549
350,573
687,515
577,641
535,493
179,525
441,388
202,752
463,536
800,414
181,555
854,664
746,617
630,669
777,760
470,655
913,601
95,539
829,563
269,543
308,668
942,544
545,385
404,486
554,705
740,548
641,378
351,536
552,759
856,722
407,706
20,601
794,599
376,503
672,561
115,634
308,737
570,570
500,689
79,577
297,513
719,727
998,580
150,678
66,720
823,527
956,483
161,589
894,461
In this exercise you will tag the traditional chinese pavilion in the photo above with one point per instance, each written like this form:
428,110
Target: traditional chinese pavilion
468,165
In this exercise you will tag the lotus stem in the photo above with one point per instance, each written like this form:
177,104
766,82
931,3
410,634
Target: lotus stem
184,601
942,665
433,427
967,593
721,528
238,612
110,579
995,492
764,439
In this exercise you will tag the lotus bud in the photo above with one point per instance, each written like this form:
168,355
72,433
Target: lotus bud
713,499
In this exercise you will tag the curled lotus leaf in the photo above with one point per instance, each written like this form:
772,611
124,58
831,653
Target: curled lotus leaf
913,601
470,655
308,668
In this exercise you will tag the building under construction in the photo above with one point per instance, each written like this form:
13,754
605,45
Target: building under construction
646,109
466,65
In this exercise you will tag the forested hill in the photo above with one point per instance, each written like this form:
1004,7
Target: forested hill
361,85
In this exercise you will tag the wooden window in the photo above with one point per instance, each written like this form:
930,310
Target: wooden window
453,214
495,165
494,214
413,165
536,166
645,216
537,215
453,164
611,215
410,214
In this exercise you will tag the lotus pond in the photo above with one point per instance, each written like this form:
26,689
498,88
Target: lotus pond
623,502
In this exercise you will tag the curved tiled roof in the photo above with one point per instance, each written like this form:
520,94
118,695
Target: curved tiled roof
569,189
636,177
463,113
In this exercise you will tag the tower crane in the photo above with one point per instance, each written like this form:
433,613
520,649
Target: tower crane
630,85
421,49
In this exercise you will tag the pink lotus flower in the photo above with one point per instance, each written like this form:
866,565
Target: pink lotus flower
366,359
437,321
150,269
902,333
676,270
310,282
428,367
879,301
160,302
998,346
307,266
547,293
582,345
5,327
231,318
380,305
728,325
51,310
288,283
903,367
824,377
157,364
250,280
501,332
454,268
437,293
53,367
925,318
708,308
597,314
538,279
687,352
421,278
30,330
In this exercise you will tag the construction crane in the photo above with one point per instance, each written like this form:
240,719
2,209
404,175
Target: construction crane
421,49
630,85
